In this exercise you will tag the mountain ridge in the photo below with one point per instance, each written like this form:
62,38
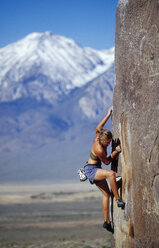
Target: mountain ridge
52,62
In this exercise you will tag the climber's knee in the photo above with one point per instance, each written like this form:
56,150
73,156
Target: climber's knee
112,174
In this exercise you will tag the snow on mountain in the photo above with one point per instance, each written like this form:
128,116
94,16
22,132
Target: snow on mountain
47,66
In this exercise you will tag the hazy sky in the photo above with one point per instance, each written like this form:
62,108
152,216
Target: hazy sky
88,22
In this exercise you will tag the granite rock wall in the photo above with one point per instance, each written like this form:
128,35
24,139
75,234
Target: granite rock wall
136,123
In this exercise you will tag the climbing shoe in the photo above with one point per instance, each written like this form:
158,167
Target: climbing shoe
120,204
108,226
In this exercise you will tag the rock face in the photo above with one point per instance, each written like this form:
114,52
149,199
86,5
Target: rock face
136,123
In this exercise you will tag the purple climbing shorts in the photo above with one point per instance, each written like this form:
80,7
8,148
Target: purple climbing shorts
90,170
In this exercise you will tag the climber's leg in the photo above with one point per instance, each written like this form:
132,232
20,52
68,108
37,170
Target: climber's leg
103,174
103,186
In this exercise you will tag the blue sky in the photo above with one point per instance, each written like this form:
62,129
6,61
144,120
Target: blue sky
88,22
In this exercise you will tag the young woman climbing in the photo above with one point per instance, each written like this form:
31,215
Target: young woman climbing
97,175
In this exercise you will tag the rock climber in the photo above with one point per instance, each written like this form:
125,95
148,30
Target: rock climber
97,175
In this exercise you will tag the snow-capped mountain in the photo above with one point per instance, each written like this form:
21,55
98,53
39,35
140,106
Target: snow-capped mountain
52,95
47,66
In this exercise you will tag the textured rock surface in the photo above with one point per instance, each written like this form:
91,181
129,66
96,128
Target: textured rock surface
136,122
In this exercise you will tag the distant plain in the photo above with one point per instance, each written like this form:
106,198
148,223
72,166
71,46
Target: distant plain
51,216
